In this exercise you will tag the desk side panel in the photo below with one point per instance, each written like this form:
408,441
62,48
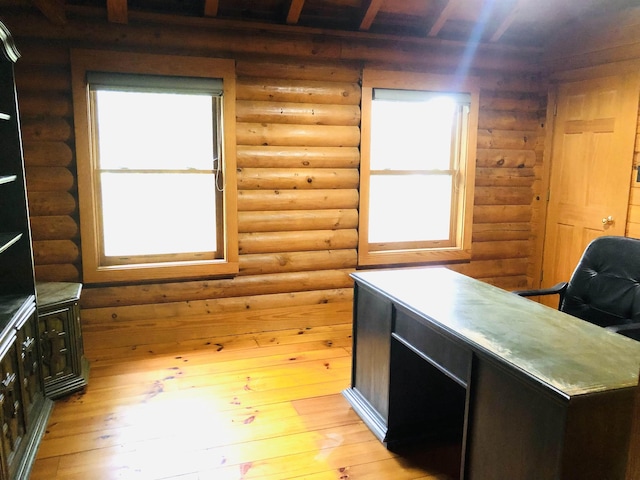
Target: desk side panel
598,435
372,331
515,429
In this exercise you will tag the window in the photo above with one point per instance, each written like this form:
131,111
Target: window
156,166
417,168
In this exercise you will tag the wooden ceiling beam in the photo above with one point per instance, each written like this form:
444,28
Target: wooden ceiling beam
295,9
507,21
211,8
53,10
370,14
117,11
445,12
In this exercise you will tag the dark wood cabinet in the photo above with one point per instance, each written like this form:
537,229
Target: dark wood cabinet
12,420
24,410
64,366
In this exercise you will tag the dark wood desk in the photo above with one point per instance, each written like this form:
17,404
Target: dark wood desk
530,392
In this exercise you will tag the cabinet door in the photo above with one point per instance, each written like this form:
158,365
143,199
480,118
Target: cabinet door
31,376
57,352
12,420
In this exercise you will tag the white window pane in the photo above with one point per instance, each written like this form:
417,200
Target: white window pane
158,213
405,208
141,130
412,135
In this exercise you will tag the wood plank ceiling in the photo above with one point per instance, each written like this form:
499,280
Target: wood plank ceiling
512,22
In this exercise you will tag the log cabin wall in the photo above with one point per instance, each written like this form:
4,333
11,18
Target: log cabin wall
298,117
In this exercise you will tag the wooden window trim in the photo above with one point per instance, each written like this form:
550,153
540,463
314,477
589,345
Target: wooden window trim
94,271
461,251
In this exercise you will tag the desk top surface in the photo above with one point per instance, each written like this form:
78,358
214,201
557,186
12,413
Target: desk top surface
561,351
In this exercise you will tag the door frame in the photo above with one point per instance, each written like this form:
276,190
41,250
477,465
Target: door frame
555,79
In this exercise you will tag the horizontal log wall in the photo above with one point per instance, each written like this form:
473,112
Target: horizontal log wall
298,116
508,177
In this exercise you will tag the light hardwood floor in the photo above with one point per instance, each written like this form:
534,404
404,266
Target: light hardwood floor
262,406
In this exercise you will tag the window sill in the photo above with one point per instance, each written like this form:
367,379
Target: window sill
157,272
413,257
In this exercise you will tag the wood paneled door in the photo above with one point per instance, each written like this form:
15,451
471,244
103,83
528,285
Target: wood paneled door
591,163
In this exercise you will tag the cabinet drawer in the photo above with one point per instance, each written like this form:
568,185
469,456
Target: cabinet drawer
450,357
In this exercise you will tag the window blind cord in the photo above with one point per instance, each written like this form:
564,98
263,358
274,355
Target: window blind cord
220,181
218,175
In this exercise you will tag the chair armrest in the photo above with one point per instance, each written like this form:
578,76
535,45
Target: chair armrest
558,289
631,330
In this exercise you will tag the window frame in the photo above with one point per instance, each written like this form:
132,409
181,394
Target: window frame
95,269
371,254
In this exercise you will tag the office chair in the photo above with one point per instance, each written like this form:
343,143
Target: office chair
604,289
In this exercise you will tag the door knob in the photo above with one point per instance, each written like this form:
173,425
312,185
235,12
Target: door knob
607,220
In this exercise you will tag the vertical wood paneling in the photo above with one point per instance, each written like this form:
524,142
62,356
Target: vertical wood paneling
633,216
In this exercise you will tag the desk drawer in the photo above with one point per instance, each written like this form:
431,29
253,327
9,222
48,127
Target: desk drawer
443,353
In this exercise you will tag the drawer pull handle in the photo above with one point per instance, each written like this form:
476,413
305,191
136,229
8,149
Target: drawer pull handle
27,345
8,381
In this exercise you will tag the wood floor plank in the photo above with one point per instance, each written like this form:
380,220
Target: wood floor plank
209,358
254,423
334,335
202,376
209,413
228,394
173,455
161,368
224,370
331,457
47,469
268,407
114,355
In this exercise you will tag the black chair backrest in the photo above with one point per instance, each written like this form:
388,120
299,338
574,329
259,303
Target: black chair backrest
605,286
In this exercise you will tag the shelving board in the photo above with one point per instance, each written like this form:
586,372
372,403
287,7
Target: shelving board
7,178
8,239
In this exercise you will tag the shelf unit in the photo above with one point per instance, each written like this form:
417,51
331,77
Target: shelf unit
16,258
24,410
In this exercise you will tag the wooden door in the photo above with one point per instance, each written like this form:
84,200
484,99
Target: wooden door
591,165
